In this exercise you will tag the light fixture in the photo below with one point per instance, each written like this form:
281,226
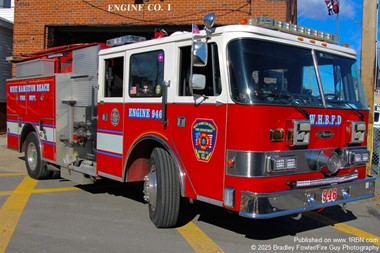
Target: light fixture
323,181
229,197
294,29
277,135
298,132
281,163
359,156
127,39
355,132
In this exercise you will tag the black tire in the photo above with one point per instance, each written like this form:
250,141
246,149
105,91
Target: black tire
162,185
35,166
54,174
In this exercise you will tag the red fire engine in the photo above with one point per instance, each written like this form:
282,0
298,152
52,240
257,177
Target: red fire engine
265,118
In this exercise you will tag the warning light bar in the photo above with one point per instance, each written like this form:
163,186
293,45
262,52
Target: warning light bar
127,39
294,29
324,181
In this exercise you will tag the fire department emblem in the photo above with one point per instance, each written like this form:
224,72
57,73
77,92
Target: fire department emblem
115,117
204,139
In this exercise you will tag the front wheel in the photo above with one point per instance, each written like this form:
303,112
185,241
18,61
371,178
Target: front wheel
162,189
35,166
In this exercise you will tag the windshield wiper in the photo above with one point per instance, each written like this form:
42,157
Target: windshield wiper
360,115
288,98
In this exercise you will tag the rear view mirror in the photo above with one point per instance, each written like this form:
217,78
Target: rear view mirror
199,54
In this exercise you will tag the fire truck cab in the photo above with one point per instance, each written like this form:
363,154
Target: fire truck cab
266,119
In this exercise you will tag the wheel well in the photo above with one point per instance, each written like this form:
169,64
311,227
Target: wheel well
138,160
137,166
27,129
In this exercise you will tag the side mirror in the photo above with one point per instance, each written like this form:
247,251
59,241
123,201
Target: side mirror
198,82
199,54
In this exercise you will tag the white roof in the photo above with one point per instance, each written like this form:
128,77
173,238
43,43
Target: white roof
244,30
8,13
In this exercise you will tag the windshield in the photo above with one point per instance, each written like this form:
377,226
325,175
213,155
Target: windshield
270,73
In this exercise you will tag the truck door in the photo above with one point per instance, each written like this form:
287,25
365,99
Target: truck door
200,125
109,153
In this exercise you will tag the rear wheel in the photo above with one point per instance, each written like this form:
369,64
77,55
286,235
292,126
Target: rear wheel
162,189
35,166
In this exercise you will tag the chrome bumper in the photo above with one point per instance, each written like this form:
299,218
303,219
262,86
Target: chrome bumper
270,205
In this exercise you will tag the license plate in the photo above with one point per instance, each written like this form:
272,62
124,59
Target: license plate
329,195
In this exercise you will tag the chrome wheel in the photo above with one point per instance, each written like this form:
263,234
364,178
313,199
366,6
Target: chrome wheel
35,166
150,188
31,157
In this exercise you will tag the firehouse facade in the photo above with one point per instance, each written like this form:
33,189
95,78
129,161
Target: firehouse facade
39,26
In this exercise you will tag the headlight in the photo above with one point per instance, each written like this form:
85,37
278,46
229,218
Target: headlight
358,156
281,163
355,132
298,132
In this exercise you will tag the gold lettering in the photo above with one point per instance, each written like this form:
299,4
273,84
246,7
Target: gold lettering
154,7
136,7
131,7
123,7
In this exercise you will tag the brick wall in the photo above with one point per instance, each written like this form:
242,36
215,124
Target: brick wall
31,16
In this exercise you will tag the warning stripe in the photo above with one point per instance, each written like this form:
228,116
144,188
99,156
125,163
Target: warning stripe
12,209
12,174
368,237
198,240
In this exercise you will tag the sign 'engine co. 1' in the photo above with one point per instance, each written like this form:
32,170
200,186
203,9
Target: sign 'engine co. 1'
138,7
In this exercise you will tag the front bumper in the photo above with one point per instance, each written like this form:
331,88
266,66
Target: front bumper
270,205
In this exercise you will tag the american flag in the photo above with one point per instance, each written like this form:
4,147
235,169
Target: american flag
195,29
133,90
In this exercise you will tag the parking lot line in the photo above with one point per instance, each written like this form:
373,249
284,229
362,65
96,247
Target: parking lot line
62,189
198,240
12,210
16,202
12,174
368,237
46,190
5,193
